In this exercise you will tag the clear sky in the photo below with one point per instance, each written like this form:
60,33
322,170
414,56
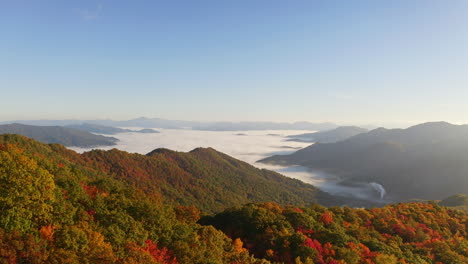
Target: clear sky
278,60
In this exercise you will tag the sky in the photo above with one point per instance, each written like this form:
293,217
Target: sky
350,62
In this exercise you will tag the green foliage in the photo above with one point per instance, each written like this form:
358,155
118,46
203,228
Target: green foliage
26,191
401,233
58,206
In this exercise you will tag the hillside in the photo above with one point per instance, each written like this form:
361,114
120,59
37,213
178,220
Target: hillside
55,211
458,201
56,134
329,136
400,233
426,161
58,206
203,177
207,178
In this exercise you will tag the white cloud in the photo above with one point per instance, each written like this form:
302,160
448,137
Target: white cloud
89,14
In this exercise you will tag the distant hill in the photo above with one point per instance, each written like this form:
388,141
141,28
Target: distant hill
207,178
329,136
56,134
100,129
427,161
180,124
458,201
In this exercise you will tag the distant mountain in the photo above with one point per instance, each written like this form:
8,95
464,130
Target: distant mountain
427,161
56,134
180,124
100,129
329,136
457,201
240,126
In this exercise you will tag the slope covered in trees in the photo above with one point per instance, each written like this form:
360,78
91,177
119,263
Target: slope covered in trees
56,134
204,177
207,178
458,201
56,211
426,161
57,206
401,233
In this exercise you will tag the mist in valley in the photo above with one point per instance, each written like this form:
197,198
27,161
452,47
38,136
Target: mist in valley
249,146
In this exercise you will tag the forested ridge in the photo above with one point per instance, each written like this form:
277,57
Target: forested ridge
58,206
57,134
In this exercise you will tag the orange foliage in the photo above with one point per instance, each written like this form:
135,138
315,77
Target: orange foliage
161,255
47,232
326,218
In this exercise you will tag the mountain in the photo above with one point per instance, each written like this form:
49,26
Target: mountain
427,161
458,201
180,124
58,206
56,210
204,177
207,178
100,129
56,134
329,136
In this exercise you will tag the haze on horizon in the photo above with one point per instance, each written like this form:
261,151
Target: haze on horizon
348,62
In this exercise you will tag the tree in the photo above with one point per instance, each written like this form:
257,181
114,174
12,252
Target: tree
26,192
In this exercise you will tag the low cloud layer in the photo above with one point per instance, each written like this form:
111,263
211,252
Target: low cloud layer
248,146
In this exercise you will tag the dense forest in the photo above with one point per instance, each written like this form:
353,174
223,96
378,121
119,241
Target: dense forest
57,206
399,233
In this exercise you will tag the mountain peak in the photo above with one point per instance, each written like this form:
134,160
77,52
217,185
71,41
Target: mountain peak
204,151
160,151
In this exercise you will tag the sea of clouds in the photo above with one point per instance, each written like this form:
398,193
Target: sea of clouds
248,146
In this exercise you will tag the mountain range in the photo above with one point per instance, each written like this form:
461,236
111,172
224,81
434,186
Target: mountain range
426,161
328,136
108,130
57,134
180,124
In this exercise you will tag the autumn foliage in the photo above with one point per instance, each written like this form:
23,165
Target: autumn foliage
57,206
400,233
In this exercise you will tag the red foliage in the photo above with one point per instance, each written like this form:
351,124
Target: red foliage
92,191
91,212
161,255
299,210
304,231
328,249
313,243
326,218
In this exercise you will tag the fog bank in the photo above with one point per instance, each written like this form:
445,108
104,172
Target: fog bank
248,146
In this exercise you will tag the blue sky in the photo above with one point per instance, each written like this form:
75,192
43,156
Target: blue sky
363,62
